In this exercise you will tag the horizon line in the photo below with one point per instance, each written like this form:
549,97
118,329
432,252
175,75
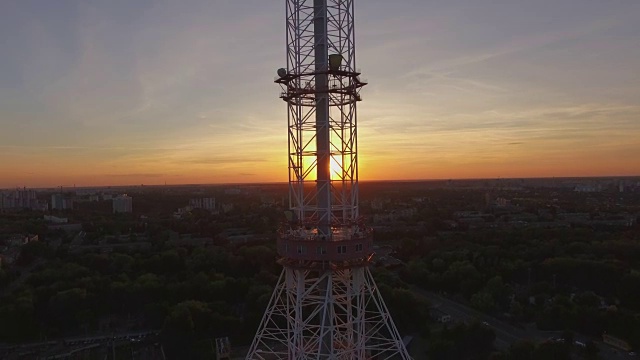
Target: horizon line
74,186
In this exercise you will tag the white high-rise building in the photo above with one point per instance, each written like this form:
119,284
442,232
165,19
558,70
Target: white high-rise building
57,201
60,202
203,203
19,199
122,204
4,200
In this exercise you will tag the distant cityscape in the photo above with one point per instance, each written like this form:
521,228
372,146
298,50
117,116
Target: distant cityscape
416,226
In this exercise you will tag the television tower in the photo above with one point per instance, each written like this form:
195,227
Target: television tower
326,304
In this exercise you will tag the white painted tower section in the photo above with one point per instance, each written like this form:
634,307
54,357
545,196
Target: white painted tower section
326,304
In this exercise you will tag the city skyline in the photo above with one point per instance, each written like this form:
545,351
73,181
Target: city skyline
159,92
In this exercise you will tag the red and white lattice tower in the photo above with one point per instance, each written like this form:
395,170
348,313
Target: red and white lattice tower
326,304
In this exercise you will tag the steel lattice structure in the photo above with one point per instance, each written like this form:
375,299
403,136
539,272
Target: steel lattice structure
326,304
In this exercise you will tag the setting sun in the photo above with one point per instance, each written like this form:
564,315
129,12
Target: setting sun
336,168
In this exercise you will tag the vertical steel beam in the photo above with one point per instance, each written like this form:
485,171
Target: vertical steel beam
323,136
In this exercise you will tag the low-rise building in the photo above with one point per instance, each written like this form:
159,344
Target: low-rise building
55,219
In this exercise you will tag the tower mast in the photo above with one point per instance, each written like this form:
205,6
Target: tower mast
326,304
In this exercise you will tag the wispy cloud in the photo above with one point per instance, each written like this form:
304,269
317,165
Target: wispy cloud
138,175
219,161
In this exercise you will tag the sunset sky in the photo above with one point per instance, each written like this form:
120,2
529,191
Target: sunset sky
117,92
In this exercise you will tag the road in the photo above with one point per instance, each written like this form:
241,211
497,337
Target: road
506,333
68,346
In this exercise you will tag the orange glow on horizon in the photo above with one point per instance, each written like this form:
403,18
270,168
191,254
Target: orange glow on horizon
274,170
384,157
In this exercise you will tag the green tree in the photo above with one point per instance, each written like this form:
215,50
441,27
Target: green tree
521,350
591,350
483,301
552,351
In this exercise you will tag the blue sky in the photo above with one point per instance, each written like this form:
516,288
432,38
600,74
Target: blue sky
118,92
